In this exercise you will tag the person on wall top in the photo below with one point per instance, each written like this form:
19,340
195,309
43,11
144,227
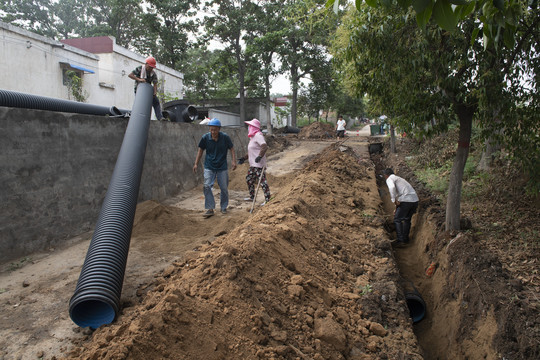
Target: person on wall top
147,74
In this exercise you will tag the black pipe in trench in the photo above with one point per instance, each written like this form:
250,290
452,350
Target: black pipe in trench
96,300
28,101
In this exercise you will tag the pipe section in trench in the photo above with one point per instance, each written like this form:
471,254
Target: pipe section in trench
96,300
27,101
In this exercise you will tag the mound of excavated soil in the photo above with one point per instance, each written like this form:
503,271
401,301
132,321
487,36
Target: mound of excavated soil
317,130
308,276
276,144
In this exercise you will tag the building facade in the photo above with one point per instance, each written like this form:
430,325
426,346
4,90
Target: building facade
41,66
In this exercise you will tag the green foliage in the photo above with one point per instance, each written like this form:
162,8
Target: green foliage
165,96
60,19
33,15
281,115
477,185
304,121
498,18
19,264
436,179
75,86
305,39
208,76
366,289
167,24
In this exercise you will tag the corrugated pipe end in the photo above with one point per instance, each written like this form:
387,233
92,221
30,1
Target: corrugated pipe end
416,305
93,308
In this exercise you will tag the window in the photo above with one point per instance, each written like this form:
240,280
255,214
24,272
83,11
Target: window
67,75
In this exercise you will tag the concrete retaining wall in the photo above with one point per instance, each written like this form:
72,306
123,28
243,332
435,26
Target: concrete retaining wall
55,169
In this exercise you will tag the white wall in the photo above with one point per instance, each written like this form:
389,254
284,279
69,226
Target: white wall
226,118
123,63
32,63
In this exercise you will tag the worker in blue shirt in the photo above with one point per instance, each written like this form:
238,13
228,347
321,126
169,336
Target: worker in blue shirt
216,144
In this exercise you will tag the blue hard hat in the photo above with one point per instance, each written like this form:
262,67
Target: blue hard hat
214,122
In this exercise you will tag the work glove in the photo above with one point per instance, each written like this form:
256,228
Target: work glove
241,161
258,159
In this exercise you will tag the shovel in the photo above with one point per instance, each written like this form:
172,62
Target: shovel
257,190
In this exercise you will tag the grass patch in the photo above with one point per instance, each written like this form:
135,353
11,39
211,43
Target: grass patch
305,122
436,179
19,264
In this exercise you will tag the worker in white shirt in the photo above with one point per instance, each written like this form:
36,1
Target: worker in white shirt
340,128
405,198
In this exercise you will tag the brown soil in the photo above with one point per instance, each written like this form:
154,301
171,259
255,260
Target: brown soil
483,300
311,275
317,130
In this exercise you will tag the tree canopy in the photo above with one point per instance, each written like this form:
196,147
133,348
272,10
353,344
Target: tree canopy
427,77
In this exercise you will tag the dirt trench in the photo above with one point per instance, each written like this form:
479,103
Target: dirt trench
311,275
472,310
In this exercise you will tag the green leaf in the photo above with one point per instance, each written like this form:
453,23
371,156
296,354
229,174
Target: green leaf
404,3
420,5
487,41
474,35
372,3
465,10
444,15
460,2
358,3
329,3
499,4
423,18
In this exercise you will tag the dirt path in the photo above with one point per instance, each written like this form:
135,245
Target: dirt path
35,291
310,275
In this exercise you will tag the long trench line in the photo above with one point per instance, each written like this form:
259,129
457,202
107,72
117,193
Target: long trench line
435,337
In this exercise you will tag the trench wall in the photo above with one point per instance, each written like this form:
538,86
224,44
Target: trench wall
55,169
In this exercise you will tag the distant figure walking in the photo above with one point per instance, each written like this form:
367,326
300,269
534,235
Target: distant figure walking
340,128
405,198
216,144
256,155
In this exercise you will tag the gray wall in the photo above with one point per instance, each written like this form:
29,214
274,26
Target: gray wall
55,169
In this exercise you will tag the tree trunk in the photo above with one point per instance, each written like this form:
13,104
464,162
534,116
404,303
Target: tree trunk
242,98
294,106
294,85
490,147
453,202
392,139
241,63
269,126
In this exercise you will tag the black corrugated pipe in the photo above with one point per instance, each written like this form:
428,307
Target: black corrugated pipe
415,302
28,101
96,300
180,111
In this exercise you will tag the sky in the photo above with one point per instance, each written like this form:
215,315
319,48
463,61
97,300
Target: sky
281,85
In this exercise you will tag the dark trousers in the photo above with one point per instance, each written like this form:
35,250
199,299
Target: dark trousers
157,108
402,219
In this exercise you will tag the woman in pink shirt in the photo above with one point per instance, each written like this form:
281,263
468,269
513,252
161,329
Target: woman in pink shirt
257,160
